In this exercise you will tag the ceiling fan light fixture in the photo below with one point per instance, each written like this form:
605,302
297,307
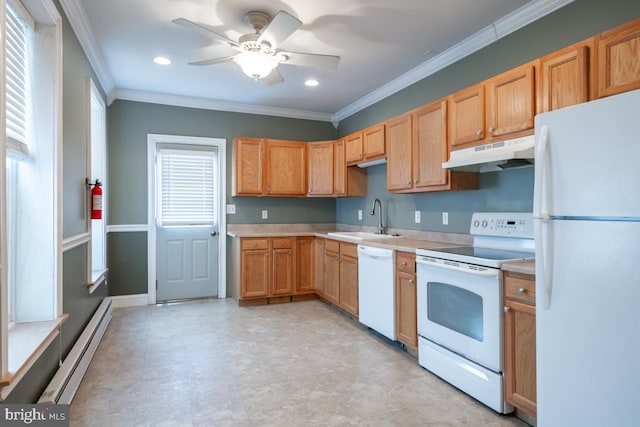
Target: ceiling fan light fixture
256,65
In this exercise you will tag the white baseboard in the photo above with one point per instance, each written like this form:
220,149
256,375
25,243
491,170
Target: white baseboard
121,301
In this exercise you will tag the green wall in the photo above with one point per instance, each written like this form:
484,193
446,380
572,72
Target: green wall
77,302
499,191
129,123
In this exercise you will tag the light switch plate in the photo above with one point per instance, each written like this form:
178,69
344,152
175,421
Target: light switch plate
231,209
418,217
445,218
360,214
265,214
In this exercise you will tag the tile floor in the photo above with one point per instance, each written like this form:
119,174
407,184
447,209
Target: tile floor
212,363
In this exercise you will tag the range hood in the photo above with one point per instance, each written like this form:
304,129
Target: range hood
372,163
497,156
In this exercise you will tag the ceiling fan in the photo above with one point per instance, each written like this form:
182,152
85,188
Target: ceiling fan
258,52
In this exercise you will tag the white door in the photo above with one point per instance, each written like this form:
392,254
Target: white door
186,223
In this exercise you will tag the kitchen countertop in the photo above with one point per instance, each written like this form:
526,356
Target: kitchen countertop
408,241
524,267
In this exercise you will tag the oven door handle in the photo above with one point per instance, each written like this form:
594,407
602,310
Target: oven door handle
490,272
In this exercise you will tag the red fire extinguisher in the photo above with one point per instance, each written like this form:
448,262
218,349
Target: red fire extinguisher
96,200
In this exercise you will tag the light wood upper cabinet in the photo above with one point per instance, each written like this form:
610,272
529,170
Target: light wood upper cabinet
618,58
365,145
347,180
373,142
417,147
353,148
495,109
520,341
285,165
430,146
565,77
248,173
466,119
399,146
339,169
510,99
320,168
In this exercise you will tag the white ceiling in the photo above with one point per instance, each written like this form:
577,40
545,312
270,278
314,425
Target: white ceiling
384,46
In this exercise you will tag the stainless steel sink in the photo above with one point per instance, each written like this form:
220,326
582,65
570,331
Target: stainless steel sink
361,235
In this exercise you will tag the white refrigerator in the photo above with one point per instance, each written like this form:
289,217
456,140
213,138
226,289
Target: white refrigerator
587,230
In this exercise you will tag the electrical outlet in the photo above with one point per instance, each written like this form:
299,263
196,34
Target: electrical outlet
445,218
418,217
231,209
265,214
360,214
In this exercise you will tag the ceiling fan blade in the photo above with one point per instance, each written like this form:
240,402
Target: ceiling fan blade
274,77
204,30
213,61
279,29
310,60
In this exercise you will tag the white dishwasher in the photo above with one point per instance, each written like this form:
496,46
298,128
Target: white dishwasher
377,290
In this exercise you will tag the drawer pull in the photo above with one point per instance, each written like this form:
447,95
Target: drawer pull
506,309
521,290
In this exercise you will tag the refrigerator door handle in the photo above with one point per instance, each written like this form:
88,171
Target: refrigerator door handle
543,260
540,195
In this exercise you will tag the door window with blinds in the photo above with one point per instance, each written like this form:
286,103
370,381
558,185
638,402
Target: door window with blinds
186,186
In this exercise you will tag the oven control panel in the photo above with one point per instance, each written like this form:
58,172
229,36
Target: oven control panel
502,224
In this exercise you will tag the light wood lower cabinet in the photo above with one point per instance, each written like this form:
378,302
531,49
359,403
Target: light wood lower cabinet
348,294
406,300
520,341
341,275
305,274
331,277
267,268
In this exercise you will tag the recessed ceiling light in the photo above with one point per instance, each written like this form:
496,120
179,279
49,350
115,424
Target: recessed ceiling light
311,83
161,60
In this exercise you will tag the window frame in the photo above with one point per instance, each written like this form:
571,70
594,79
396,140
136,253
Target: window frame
42,333
96,276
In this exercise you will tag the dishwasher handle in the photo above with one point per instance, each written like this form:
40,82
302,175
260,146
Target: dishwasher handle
373,252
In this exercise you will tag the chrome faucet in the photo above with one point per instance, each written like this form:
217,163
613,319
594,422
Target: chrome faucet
373,212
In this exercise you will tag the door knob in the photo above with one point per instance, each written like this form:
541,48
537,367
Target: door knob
214,233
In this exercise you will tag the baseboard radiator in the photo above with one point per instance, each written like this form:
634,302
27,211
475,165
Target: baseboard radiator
66,381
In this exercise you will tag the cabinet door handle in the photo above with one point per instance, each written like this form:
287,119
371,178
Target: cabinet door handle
411,281
267,254
490,129
506,309
522,290
479,132
408,183
403,263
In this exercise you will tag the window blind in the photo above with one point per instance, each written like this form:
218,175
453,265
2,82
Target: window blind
187,187
16,81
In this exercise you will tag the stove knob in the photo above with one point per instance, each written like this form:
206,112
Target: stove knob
484,223
476,223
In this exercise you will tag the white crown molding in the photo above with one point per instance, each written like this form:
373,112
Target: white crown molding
80,24
501,28
211,104
490,34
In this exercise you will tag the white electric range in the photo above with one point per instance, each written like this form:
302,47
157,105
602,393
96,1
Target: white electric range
459,294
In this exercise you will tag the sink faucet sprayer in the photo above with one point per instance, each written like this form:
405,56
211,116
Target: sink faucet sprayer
373,212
